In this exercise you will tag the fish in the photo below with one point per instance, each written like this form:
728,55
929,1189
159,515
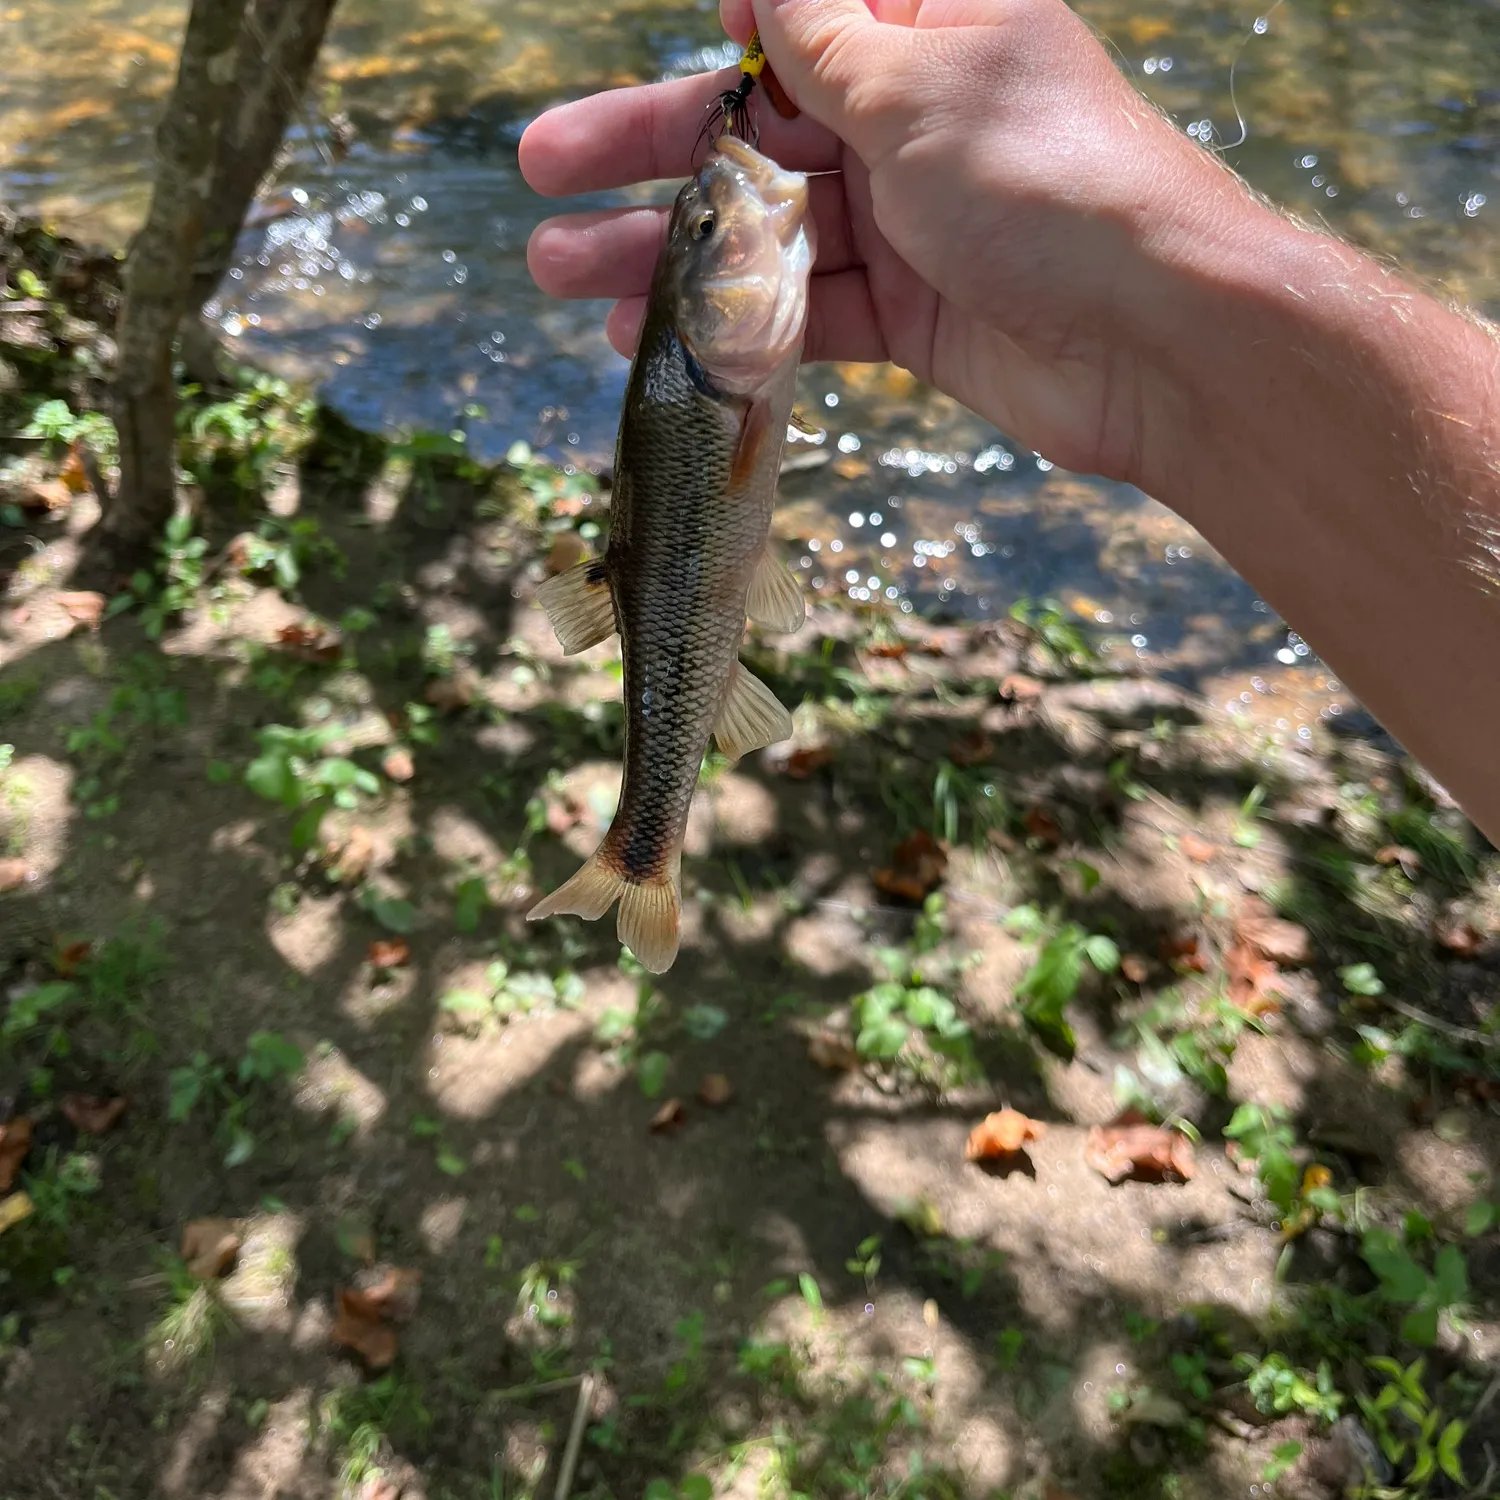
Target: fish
689,555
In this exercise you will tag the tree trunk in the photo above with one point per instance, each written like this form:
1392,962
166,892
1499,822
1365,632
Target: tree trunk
284,38
158,272
245,64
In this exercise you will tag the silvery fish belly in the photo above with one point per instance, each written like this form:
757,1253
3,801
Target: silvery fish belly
689,554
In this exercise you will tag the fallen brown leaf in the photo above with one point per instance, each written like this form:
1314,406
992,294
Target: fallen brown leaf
50,495
74,476
452,693
14,873
1002,1134
1199,850
800,764
975,748
567,551
397,764
390,1291
1041,825
1272,937
389,953
361,1326
15,1142
309,640
83,607
1252,981
1019,688
715,1089
832,1052
888,650
1134,968
349,861
209,1246
13,1209
91,1114
70,957
1184,953
668,1117
1458,936
1147,1153
917,868
1397,854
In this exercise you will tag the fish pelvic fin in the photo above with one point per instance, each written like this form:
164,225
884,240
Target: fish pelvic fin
650,917
775,600
750,716
580,607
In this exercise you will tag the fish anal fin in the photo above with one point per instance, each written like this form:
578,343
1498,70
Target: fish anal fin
588,893
775,600
750,716
579,606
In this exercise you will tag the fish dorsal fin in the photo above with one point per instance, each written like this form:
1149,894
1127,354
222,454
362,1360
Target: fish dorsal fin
750,716
775,600
579,605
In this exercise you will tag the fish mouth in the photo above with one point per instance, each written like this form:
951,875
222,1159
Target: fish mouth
784,193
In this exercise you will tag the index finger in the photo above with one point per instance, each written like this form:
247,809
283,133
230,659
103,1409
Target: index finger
651,131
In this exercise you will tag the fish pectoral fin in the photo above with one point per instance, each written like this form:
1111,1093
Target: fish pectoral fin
799,421
750,717
580,607
650,910
775,600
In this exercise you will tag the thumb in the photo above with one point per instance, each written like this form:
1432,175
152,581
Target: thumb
838,62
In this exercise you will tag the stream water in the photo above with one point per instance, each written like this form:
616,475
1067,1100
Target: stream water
394,275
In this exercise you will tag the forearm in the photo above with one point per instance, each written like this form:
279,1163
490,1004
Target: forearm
1336,435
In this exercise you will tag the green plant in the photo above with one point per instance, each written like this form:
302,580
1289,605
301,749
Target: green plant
1051,982
1244,832
1405,1420
1049,627
171,587
245,437
287,549
293,770
1267,1139
366,1421
56,424
1278,1386
1406,1282
508,993
229,1097
891,1018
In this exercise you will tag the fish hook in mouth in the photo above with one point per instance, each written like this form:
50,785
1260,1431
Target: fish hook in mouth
730,112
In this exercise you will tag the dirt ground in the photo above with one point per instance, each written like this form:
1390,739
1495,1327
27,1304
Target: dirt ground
723,1219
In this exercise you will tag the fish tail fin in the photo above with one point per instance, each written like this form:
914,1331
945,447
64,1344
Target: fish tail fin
650,910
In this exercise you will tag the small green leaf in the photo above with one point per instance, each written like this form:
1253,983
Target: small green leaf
1420,1326
1102,953
464,1000
651,1073
1361,979
810,1292
1447,1452
1482,1217
451,1162
695,1487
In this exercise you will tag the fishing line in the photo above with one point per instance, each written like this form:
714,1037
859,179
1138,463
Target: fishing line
1261,26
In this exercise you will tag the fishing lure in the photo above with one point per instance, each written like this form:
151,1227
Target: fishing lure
730,111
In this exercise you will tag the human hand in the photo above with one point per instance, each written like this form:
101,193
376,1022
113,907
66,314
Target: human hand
1001,214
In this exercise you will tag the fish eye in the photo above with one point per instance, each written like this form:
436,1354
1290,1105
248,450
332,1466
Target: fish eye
704,227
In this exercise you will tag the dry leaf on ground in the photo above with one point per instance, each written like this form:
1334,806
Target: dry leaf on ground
1199,850
1272,937
13,1209
51,495
83,607
1019,688
91,1114
916,870
1147,1153
1002,1134
715,1089
1397,854
15,1142
668,1117
800,764
1040,824
975,748
67,959
74,475
361,1326
309,640
390,1291
398,764
389,953
832,1052
349,861
14,873
1134,968
1184,953
209,1246
1458,936
1252,981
